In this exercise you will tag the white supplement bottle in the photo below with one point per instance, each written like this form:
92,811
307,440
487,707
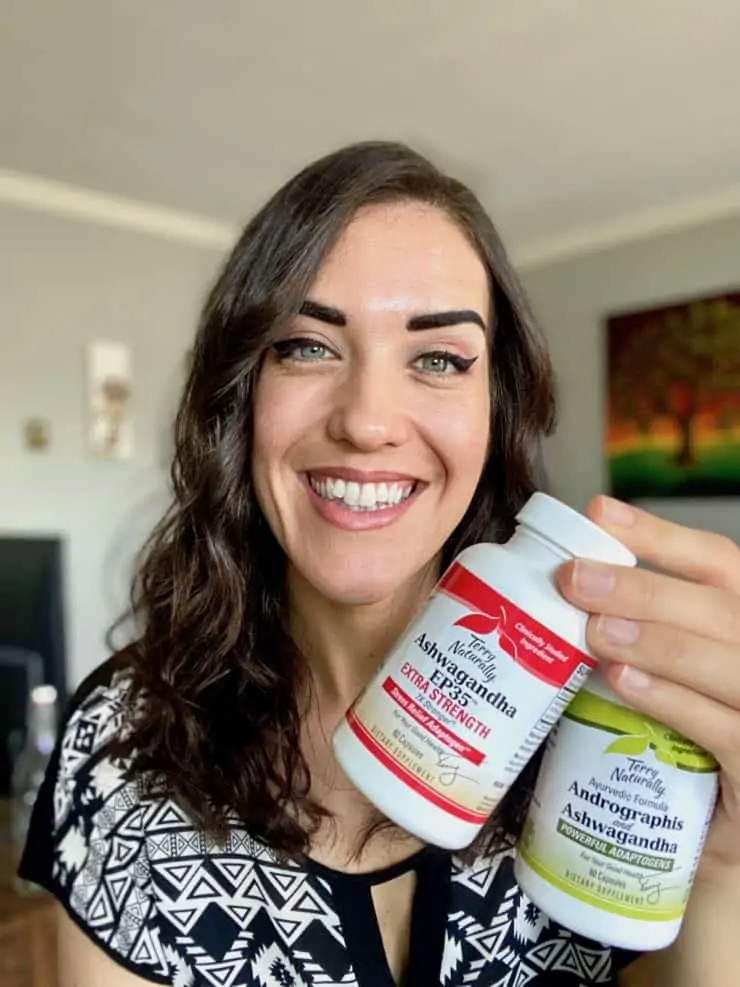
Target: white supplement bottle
617,822
475,683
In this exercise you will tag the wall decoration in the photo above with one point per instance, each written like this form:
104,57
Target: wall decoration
109,396
36,434
673,426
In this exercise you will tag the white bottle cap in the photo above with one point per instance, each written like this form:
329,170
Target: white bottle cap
572,531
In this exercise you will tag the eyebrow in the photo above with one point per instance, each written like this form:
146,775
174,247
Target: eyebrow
323,313
455,317
433,320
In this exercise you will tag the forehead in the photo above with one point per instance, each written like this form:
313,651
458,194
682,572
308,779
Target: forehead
408,252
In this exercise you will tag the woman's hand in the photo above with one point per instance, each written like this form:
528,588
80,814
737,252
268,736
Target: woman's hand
672,645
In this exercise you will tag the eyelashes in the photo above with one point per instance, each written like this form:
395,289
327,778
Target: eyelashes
459,364
433,363
313,350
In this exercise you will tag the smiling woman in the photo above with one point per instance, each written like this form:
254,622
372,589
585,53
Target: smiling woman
367,396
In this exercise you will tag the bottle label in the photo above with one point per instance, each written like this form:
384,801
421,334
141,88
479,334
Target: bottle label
620,811
467,696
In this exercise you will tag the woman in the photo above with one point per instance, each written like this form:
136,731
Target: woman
367,396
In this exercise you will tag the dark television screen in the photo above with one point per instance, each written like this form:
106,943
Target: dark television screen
31,622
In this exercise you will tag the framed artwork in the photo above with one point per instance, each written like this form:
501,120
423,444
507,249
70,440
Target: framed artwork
673,400
111,433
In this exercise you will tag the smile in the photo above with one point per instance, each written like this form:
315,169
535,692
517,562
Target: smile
362,496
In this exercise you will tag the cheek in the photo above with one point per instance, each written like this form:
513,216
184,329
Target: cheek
283,414
460,433
272,431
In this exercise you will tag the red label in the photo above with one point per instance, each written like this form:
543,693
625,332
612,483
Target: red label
531,644
432,724
407,777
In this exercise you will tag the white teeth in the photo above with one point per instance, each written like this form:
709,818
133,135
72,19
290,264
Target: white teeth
367,495
362,496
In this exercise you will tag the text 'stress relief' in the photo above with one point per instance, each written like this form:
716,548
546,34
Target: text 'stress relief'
456,722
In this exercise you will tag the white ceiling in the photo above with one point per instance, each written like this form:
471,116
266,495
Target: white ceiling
569,117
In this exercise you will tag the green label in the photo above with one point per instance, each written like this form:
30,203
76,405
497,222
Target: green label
633,857
638,732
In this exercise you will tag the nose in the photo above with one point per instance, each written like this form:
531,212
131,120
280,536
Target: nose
368,411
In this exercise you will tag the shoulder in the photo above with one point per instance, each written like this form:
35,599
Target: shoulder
79,778
83,779
95,716
99,703
493,922
87,841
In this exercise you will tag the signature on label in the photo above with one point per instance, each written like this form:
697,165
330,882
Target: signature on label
451,766
653,888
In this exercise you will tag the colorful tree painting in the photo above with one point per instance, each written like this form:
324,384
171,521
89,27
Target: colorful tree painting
674,400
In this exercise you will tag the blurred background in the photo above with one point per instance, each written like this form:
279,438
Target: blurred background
136,138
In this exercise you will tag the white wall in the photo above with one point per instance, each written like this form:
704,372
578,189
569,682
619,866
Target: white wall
62,284
571,299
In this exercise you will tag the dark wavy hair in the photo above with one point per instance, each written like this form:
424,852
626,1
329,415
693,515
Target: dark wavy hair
215,698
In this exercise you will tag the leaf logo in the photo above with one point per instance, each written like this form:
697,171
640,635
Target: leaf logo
478,623
634,744
666,757
506,644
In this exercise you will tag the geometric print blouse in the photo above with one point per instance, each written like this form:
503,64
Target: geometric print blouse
167,903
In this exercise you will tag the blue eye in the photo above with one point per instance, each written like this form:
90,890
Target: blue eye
442,363
302,350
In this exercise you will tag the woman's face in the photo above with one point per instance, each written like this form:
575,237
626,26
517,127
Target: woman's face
372,410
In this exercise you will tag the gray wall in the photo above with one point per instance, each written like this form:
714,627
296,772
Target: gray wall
63,283
571,299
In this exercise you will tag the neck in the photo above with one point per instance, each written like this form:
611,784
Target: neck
345,644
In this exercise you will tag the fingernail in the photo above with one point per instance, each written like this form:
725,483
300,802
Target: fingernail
618,512
615,630
634,679
593,579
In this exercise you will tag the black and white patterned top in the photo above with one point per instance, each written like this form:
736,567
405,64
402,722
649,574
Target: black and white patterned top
168,904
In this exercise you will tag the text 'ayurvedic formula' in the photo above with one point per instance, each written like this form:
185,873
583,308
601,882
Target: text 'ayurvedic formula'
479,678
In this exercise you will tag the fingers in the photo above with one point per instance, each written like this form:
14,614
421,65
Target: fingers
702,556
709,667
711,724
638,594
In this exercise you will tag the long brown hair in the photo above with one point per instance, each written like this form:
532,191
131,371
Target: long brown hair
215,713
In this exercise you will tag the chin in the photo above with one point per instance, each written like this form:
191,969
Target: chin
357,596
358,584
